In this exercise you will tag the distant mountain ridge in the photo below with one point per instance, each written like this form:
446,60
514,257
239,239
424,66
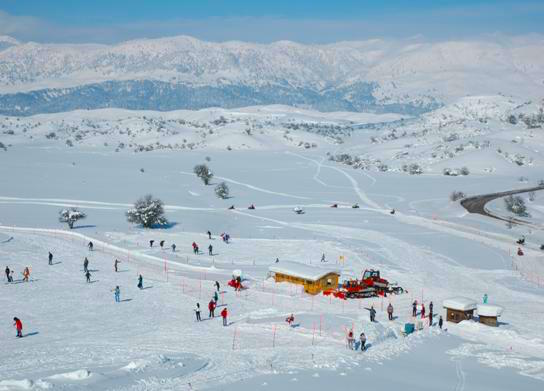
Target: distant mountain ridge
186,73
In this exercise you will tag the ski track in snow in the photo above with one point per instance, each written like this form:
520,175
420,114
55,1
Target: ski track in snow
249,186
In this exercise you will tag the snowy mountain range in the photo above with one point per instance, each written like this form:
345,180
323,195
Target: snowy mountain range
410,76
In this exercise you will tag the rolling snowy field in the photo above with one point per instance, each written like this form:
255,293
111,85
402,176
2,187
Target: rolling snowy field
79,338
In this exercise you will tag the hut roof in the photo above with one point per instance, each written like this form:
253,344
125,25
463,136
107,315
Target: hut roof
460,304
489,310
307,272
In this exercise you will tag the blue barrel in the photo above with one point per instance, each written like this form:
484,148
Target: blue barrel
409,328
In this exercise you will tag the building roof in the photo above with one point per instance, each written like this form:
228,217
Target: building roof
489,310
300,270
460,304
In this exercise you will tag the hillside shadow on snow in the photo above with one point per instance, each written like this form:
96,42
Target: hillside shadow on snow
125,300
170,224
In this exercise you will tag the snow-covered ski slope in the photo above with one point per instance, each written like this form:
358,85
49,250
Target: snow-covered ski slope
77,337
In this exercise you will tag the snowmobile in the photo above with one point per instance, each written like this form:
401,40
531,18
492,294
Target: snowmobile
355,206
298,211
251,206
334,206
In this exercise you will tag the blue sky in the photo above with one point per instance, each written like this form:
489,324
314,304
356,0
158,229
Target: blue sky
266,21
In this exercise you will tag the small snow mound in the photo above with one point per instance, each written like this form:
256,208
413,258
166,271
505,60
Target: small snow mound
43,384
135,366
193,193
80,374
24,384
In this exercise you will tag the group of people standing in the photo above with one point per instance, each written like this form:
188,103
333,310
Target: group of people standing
212,305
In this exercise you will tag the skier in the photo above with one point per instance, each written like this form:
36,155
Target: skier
140,282
50,258
26,274
18,326
431,313
217,286
390,311
88,276
197,312
211,307
227,238
362,338
210,250
224,315
277,260
290,319
485,298
351,340
7,274
161,243
195,248
323,258
422,310
115,265
173,247
440,322
215,297
85,265
90,245
372,314
209,235
117,294
414,308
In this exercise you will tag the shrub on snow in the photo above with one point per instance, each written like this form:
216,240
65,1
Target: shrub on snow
457,195
516,205
70,216
203,172
148,212
222,190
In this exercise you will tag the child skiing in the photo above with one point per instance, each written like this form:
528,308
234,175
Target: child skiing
211,307
362,338
390,311
372,314
351,340
18,326
224,315
117,294
26,274
197,312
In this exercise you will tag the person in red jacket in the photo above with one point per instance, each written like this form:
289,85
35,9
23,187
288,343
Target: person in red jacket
211,307
18,326
224,314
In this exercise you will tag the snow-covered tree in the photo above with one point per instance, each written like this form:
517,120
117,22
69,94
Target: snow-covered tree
516,205
148,212
222,190
70,216
203,172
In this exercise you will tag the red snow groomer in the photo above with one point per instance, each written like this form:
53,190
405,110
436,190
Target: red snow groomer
370,285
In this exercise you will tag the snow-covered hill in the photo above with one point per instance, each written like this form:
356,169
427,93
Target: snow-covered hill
183,72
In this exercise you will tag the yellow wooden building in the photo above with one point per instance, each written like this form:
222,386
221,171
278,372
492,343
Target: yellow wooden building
313,278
